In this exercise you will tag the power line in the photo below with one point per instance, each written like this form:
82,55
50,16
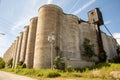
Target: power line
108,30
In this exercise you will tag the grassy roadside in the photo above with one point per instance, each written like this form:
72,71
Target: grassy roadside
99,72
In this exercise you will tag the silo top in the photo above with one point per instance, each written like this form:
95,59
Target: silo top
21,33
26,26
17,37
33,18
73,16
50,6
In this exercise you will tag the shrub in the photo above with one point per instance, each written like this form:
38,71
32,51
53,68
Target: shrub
102,56
69,69
9,63
88,49
100,65
59,63
52,74
2,63
21,65
116,59
79,69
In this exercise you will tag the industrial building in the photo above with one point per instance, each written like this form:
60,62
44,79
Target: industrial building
53,33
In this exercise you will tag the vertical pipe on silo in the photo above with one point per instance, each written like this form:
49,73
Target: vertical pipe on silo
31,43
24,44
18,49
48,20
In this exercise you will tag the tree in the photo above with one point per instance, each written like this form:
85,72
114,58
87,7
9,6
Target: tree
2,63
88,48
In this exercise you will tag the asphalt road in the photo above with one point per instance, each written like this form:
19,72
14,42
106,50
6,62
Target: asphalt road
10,76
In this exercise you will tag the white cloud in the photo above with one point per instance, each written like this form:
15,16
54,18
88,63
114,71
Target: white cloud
84,7
49,1
74,5
107,22
117,37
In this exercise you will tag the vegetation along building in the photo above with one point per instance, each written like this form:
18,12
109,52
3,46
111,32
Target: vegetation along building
53,33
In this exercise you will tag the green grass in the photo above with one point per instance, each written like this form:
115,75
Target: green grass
87,73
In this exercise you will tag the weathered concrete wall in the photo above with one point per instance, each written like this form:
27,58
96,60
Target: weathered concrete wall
110,46
15,53
18,49
113,45
31,43
48,20
8,54
70,37
88,31
24,43
106,44
77,63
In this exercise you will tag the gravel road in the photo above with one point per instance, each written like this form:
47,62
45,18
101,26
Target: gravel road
10,76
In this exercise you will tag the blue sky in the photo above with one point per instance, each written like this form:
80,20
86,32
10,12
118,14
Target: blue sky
15,14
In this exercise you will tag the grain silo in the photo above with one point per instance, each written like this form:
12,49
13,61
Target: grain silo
18,49
48,22
31,43
14,57
24,43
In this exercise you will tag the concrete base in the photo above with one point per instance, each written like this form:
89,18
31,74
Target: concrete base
76,63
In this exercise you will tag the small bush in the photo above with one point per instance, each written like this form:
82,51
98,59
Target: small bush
100,65
79,69
9,63
59,63
2,63
102,56
21,65
116,59
52,74
69,69
24,65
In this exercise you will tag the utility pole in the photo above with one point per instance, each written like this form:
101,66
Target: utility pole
51,39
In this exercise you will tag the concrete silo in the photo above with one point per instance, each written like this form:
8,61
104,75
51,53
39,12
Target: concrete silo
48,22
31,43
18,49
14,57
24,43
70,29
8,54
14,54
88,31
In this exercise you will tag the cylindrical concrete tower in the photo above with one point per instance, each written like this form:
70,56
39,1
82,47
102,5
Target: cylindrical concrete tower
31,43
14,59
48,22
14,53
18,49
24,43
70,36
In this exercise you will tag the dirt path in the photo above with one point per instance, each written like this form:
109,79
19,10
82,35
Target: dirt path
10,76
